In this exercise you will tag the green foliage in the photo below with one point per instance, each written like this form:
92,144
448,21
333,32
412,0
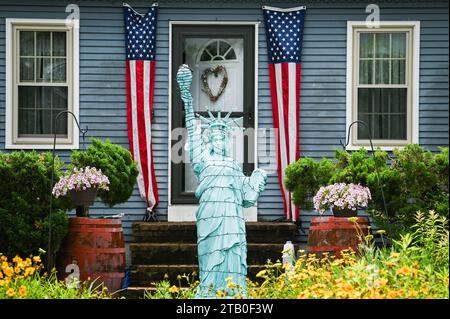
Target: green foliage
24,203
116,163
415,180
305,177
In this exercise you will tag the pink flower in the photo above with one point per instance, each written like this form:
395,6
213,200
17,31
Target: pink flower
341,196
81,178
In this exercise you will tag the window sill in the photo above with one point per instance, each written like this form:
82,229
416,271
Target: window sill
37,146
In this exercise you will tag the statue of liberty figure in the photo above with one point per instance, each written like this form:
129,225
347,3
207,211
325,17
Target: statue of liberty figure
223,191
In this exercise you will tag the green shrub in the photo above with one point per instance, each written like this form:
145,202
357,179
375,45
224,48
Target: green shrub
415,180
304,178
24,203
116,163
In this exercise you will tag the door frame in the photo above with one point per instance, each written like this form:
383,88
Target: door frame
186,212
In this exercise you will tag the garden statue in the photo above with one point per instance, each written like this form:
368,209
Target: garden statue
223,191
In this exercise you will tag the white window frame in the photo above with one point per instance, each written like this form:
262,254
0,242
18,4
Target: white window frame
180,212
412,68
12,141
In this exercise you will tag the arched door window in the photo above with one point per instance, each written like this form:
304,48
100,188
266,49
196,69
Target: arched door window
218,50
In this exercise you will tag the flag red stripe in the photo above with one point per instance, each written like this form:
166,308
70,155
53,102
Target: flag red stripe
285,110
141,123
129,102
153,176
297,151
275,111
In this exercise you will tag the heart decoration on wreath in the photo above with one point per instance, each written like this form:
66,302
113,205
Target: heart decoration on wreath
205,86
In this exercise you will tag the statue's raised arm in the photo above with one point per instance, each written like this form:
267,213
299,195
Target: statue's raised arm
194,147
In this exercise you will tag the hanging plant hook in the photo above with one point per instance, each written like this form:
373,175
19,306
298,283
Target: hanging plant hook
344,146
83,132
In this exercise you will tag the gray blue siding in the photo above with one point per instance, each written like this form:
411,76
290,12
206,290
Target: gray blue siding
102,76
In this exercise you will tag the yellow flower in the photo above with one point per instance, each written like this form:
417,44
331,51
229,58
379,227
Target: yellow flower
404,270
4,265
166,276
174,289
10,292
2,283
8,271
17,270
261,273
29,271
23,291
3,258
390,264
413,294
17,259
37,259
231,285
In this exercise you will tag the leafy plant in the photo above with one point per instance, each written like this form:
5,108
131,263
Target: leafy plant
304,178
116,163
415,180
23,279
24,203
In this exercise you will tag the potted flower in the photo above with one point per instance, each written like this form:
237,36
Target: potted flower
342,199
81,184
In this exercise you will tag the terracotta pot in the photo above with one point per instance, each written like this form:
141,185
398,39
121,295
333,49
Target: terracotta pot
82,199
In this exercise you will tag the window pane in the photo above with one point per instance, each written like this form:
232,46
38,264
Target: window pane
59,98
27,97
42,43
398,45
398,71
223,47
26,43
43,122
26,122
44,97
61,124
366,45
43,69
384,110
381,71
59,43
59,70
398,100
398,127
382,47
366,71
27,69
231,55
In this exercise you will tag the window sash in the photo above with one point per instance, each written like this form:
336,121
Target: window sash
42,139
357,31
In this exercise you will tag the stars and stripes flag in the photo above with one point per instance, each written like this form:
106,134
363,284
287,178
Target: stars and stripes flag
284,29
140,44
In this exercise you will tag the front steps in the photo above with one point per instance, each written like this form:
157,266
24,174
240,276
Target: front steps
165,250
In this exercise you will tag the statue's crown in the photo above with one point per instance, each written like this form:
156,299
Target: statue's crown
217,124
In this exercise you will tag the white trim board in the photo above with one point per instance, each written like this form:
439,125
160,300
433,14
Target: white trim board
41,143
187,212
415,25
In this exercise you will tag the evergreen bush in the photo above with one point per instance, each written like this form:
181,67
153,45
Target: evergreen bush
24,203
116,163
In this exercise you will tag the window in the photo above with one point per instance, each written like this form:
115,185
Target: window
230,49
42,81
382,83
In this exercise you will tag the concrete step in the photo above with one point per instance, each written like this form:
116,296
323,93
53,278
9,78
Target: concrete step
146,275
186,232
182,253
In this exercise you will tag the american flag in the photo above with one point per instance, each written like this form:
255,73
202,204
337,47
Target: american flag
284,29
140,43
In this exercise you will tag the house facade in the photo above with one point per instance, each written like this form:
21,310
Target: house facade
70,55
